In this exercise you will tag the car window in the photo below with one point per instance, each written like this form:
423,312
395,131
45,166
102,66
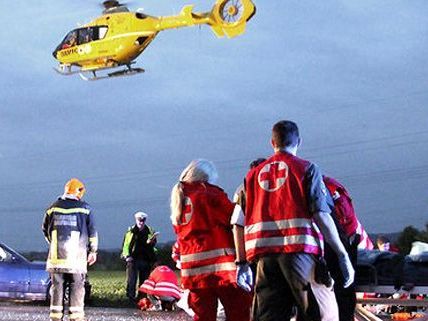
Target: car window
5,256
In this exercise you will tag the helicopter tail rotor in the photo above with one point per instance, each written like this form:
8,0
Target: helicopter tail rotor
229,17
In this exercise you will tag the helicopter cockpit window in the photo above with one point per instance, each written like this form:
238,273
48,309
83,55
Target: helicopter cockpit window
83,35
89,34
86,35
70,40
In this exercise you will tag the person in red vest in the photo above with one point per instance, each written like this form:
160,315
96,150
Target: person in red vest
351,233
161,288
183,302
286,208
200,214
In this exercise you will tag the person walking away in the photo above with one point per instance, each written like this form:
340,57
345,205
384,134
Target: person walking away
138,251
285,211
183,302
349,228
69,228
200,214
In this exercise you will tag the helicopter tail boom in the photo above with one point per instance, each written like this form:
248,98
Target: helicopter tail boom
186,18
227,18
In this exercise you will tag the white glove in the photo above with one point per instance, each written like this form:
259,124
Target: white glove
129,259
348,271
244,277
92,258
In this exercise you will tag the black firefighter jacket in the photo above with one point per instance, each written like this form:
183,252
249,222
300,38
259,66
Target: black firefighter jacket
68,226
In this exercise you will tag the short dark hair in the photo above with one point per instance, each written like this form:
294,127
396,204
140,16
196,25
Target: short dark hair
382,239
285,133
257,162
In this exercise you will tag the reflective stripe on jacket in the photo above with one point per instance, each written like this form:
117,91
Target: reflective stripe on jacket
69,228
130,243
277,217
162,282
205,237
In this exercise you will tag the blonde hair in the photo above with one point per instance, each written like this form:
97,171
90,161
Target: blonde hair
199,170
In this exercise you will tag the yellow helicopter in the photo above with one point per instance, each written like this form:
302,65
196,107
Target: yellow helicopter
119,36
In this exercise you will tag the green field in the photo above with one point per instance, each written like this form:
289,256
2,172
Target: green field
108,289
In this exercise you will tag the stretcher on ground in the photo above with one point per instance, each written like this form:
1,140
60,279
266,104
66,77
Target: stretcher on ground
390,279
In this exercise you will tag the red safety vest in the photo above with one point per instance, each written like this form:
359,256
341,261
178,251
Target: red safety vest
277,218
205,237
162,282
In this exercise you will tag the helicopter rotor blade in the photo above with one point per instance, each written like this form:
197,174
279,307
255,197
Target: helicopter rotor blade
108,4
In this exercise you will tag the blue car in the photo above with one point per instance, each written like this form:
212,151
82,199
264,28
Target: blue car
21,279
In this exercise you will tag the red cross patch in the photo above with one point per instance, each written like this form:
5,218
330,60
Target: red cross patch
272,176
187,211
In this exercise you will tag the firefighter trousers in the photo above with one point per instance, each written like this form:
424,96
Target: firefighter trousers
69,286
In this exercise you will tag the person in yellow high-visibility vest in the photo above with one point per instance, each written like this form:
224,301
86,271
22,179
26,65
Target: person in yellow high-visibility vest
139,253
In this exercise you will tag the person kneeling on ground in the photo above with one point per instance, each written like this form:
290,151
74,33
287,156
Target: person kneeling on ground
162,290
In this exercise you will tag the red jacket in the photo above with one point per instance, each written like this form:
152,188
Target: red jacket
345,213
205,237
162,282
277,218
343,208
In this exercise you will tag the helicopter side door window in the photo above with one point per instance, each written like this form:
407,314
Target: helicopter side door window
86,35
91,34
102,31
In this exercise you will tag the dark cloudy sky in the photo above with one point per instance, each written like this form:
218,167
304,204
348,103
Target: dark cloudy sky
352,74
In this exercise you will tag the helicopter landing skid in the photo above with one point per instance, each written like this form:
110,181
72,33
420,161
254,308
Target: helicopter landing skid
120,73
65,70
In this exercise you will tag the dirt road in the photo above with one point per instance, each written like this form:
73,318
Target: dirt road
20,312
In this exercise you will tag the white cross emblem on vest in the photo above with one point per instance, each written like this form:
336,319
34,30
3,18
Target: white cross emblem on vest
187,211
272,176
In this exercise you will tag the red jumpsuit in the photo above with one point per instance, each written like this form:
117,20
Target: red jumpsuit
207,254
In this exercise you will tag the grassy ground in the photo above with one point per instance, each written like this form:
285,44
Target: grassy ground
108,289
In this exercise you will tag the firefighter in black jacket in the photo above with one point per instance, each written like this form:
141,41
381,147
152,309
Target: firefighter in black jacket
69,228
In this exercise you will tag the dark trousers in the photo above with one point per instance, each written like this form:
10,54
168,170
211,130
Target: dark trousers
76,283
137,270
346,298
285,281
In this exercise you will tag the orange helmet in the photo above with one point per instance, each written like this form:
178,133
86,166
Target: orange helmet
74,187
